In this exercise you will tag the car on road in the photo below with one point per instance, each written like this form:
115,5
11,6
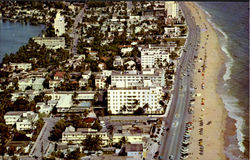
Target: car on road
184,149
184,156
175,124
156,154
171,157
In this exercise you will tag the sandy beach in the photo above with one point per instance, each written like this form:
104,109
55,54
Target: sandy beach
209,120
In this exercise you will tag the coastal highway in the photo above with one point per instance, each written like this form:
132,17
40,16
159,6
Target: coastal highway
170,148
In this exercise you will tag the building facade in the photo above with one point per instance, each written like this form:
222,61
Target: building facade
59,24
51,42
127,100
135,78
11,117
172,9
151,58
76,136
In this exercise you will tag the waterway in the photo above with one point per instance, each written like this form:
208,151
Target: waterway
15,35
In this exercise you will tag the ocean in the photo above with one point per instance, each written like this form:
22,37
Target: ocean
15,35
231,21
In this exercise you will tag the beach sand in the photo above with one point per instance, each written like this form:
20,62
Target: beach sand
214,111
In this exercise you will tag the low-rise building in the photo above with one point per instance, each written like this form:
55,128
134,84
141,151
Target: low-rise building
172,31
44,108
37,84
26,121
55,83
21,147
34,83
135,134
59,75
134,150
64,103
51,42
76,136
118,61
11,117
24,83
100,82
20,66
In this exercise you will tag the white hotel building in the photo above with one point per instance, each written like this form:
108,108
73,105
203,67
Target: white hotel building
135,78
150,57
120,97
172,9
59,24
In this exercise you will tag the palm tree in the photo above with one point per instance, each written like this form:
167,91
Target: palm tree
146,106
122,141
110,129
124,108
92,143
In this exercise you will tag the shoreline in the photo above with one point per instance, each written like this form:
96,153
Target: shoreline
234,141
214,109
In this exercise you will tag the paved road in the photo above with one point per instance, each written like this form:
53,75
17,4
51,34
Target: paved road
75,30
178,111
42,139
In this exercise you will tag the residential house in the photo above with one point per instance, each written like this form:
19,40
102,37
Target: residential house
100,82
20,66
37,84
118,61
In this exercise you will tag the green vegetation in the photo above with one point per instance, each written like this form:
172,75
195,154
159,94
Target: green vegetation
44,57
74,120
139,111
92,143
56,133
92,4
39,125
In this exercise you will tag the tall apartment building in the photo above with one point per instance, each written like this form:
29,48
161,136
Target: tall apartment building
150,57
172,9
51,42
127,100
135,78
59,24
